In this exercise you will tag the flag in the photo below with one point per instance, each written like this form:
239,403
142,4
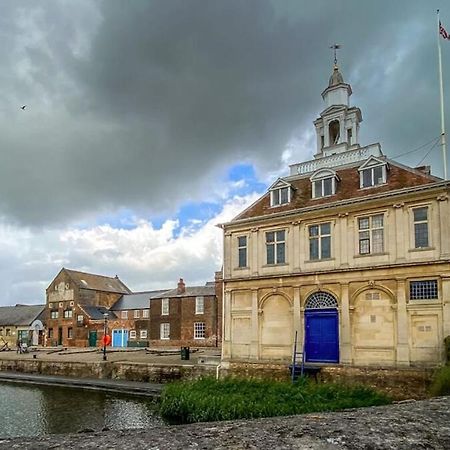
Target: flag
442,32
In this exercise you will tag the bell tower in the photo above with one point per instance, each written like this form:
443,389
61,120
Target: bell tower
337,128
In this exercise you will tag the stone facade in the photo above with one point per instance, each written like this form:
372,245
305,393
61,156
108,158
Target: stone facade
351,250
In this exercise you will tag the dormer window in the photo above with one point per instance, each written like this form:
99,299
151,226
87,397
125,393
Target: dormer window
323,183
372,173
280,193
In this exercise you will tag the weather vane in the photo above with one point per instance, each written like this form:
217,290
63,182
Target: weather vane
335,47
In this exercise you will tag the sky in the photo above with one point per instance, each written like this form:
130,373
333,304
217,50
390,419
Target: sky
148,123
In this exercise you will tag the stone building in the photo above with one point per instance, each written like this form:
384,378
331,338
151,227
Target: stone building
351,250
187,315
77,303
21,322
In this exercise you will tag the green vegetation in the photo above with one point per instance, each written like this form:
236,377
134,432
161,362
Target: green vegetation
440,385
211,400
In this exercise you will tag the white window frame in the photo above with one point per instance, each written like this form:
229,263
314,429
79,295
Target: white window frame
276,243
164,331
145,313
143,334
371,230
199,330
200,304
68,313
321,194
244,250
80,318
54,314
276,196
132,334
372,176
124,315
319,238
136,314
165,307
420,222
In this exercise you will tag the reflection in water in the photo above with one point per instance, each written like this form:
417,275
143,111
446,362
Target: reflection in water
36,410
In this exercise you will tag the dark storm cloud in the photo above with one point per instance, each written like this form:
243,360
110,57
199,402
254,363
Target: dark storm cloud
138,104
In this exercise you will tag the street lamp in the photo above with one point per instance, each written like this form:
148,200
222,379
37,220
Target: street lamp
105,331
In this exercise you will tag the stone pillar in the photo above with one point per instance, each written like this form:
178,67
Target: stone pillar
402,325
226,343
295,244
254,343
228,251
398,241
254,251
345,339
343,240
297,322
444,218
446,306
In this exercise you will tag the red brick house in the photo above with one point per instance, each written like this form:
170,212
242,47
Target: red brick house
76,305
187,315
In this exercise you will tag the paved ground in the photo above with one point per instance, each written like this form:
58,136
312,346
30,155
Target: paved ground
413,425
165,356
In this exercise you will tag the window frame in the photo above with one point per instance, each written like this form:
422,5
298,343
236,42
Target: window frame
124,314
418,223
319,238
242,250
54,314
68,313
145,313
165,307
143,334
136,314
276,244
315,194
132,334
419,298
371,230
164,331
276,196
199,330
200,300
372,176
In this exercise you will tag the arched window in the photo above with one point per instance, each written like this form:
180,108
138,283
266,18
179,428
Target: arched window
335,130
321,300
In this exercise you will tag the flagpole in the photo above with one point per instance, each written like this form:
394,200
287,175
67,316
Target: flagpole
441,91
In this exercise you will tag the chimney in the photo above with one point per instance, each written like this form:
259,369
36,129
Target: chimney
424,169
181,288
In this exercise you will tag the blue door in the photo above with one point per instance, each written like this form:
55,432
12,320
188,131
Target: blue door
120,338
321,335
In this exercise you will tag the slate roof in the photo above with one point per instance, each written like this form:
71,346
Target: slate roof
398,177
97,312
20,315
138,300
191,291
97,282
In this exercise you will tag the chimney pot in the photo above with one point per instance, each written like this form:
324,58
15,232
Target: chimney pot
181,288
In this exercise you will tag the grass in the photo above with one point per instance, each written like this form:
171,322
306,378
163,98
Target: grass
211,400
440,384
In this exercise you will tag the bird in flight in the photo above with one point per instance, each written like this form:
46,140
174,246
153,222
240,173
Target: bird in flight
23,107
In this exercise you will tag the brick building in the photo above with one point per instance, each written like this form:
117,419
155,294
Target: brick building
187,315
77,303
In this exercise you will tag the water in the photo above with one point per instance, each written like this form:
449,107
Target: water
39,410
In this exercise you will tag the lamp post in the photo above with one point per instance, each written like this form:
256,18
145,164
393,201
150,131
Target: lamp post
105,331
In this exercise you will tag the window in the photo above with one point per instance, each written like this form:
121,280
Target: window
421,227
8,332
145,313
124,314
165,331
133,334
280,196
320,241
371,234
199,330
50,333
242,251
80,318
136,314
68,313
275,246
423,290
143,334
165,307
373,176
54,314
70,332
199,305
323,188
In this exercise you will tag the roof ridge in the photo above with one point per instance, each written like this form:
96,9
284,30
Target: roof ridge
93,274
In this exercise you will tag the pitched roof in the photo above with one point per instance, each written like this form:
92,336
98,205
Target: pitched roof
191,291
97,282
399,177
97,312
138,300
20,315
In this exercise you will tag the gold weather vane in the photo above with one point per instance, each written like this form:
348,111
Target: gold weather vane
335,47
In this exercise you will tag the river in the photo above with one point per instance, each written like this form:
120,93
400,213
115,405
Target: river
39,410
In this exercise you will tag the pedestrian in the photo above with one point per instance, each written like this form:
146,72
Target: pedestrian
19,346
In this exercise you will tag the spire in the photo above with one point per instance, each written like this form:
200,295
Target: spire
336,77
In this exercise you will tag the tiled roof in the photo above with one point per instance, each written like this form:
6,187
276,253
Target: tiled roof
97,312
139,300
347,188
21,315
97,282
191,291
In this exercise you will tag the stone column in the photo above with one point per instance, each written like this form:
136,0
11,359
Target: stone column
446,306
226,346
398,241
444,218
254,251
296,321
254,343
228,251
345,339
402,325
295,244
344,234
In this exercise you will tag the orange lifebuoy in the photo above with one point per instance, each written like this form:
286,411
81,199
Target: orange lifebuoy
106,340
